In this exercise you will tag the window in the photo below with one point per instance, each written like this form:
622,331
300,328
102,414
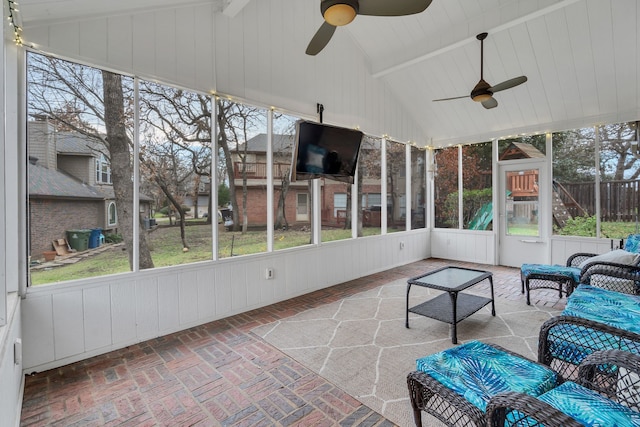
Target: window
302,207
103,170
477,207
418,188
446,188
340,205
335,218
292,221
175,161
576,179
68,122
113,215
396,186
619,180
242,145
370,186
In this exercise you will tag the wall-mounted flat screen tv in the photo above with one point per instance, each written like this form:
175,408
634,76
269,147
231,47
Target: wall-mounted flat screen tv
325,151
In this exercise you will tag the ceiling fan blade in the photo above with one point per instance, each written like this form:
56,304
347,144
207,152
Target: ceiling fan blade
490,103
508,84
449,99
392,7
320,39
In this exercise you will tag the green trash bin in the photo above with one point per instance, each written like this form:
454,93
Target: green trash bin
78,239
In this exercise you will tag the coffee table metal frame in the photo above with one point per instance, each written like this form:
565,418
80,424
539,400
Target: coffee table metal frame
460,305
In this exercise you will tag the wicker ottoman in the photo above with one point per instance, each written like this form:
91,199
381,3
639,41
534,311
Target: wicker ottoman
541,276
456,384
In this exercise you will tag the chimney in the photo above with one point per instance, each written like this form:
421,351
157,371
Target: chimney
41,142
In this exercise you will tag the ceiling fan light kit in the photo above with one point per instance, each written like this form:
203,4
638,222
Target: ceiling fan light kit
481,92
339,13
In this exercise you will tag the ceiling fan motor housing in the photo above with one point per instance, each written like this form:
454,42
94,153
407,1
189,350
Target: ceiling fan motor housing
339,12
481,91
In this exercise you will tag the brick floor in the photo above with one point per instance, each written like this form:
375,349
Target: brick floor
220,373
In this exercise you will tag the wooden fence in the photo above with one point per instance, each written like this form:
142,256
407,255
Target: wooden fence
619,200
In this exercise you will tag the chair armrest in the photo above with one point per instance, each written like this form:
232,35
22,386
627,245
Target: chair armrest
579,338
576,259
614,374
618,277
503,404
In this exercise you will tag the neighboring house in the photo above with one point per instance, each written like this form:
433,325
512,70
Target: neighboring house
70,186
198,199
333,197
297,206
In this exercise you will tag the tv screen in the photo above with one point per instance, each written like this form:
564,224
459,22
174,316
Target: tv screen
325,151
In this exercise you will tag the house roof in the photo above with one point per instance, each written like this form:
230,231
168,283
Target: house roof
51,183
45,182
520,150
72,143
258,144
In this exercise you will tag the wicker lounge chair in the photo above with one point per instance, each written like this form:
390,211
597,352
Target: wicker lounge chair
565,278
456,384
476,382
605,393
597,317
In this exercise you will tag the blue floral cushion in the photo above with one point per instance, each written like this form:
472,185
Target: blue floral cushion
632,243
571,272
609,307
588,407
573,343
478,371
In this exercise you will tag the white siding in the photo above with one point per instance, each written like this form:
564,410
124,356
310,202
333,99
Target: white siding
76,320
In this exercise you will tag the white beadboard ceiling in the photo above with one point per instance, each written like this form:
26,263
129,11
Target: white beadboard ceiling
581,58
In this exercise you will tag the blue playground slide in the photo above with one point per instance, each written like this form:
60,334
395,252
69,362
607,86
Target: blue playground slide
482,218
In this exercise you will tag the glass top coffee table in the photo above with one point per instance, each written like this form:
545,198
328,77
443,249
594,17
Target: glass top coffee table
458,306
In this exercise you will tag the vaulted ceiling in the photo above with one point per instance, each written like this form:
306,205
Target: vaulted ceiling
581,58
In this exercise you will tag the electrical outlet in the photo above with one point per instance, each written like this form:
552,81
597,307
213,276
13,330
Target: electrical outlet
17,351
269,274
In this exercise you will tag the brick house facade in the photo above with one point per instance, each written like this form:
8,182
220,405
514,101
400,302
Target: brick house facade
297,202
67,188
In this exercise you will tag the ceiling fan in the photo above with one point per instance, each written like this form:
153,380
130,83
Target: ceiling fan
337,13
483,91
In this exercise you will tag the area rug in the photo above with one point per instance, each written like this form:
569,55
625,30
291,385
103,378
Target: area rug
361,344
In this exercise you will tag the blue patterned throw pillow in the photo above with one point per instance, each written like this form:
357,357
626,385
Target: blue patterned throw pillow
633,243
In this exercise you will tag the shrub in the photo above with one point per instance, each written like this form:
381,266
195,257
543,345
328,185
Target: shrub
113,238
584,226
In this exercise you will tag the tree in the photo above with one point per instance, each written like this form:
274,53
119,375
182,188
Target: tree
176,153
446,183
282,154
396,164
96,104
369,171
237,123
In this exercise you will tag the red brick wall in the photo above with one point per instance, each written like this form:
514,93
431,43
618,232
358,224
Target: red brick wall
50,219
257,206
257,203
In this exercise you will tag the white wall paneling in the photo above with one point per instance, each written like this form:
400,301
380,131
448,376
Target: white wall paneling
10,372
563,247
463,245
84,318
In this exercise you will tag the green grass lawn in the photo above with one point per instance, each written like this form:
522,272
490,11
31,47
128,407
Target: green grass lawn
166,250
